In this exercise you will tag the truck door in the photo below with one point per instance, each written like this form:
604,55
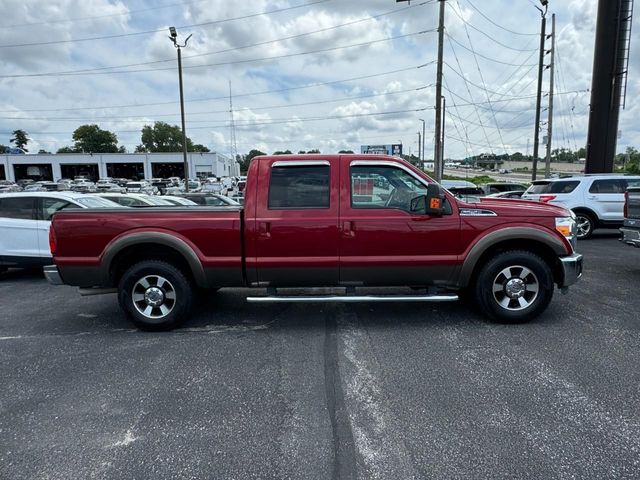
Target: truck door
381,241
296,223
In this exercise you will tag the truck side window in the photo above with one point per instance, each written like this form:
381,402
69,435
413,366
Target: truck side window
293,187
384,187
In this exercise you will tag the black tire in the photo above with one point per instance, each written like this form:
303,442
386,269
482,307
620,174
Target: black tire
586,224
527,287
155,295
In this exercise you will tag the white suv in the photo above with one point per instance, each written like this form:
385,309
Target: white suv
597,200
24,224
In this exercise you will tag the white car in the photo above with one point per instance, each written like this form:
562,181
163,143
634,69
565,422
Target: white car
181,201
135,200
24,224
597,200
141,187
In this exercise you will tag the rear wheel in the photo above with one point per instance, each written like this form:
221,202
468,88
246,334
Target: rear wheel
514,287
585,224
155,295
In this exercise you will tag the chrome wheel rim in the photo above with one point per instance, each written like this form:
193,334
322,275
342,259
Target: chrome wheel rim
515,288
583,226
153,297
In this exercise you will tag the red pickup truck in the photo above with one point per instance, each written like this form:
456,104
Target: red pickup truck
322,221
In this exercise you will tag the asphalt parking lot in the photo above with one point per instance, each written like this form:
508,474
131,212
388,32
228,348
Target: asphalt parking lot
385,391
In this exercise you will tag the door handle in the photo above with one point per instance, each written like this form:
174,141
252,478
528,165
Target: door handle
264,229
348,229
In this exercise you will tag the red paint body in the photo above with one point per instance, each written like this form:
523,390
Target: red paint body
338,245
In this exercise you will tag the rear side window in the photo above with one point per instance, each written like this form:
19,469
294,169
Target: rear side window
53,205
563,186
293,187
610,185
17,207
633,183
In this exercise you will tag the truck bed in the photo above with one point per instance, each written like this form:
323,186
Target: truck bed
90,243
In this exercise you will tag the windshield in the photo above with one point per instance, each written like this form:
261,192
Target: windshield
95,202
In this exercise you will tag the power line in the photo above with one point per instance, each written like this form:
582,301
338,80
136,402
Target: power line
450,37
127,13
227,50
148,32
234,62
236,110
289,120
490,37
208,99
498,25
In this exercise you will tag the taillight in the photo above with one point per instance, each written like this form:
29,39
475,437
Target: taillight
546,198
52,241
626,205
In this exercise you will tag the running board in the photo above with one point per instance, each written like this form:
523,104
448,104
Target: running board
353,298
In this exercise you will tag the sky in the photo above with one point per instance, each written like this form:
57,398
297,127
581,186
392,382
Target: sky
304,74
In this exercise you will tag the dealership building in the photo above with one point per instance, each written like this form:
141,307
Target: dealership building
118,165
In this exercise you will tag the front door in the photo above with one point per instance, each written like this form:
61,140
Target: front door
381,241
295,229
19,227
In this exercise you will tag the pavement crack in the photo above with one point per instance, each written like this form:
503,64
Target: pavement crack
344,452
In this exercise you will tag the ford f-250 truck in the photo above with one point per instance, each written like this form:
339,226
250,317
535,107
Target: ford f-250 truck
631,229
323,221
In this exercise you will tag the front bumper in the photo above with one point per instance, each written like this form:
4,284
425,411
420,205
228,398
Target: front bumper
52,275
571,269
630,236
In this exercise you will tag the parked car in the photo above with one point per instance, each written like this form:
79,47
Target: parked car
214,187
179,200
209,199
498,187
83,186
24,224
463,190
136,200
7,186
517,194
306,226
141,187
631,227
597,200
110,187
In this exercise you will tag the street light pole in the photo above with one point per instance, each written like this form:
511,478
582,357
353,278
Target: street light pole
423,132
173,36
536,133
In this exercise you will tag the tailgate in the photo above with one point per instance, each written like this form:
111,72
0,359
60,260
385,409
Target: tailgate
633,203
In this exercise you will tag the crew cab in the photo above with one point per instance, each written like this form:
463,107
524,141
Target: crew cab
346,221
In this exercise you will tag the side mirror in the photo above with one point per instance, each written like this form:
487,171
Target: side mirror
430,204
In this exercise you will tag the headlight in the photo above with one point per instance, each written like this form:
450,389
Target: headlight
566,226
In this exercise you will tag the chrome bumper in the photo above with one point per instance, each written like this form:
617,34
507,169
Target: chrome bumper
630,236
52,275
571,269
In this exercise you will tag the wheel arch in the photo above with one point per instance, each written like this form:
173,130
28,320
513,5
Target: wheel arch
136,247
523,239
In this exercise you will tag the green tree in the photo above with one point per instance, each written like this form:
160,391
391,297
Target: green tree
3,148
280,152
92,139
345,151
20,139
245,160
162,137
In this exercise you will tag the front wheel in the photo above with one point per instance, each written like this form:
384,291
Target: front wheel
514,287
155,295
585,225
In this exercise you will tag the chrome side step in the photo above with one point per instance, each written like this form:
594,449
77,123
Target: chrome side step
352,298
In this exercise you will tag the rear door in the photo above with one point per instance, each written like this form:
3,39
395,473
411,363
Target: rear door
606,197
296,223
382,242
45,208
19,231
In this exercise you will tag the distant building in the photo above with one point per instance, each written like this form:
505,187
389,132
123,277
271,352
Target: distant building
118,165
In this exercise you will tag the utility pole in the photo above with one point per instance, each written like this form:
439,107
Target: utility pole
437,158
547,167
423,135
444,119
609,82
419,144
233,146
173,36
536,134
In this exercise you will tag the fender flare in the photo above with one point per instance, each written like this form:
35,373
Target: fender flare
505,234
158,238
